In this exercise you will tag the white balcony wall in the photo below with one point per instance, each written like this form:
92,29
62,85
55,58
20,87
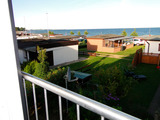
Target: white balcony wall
10,98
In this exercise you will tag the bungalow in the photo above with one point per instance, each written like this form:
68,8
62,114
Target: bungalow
58,51
107,43
152,44
55,35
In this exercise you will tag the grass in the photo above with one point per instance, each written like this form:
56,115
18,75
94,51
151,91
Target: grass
141,94
128,53
99,62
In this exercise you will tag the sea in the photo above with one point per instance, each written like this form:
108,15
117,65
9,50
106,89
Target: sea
92,32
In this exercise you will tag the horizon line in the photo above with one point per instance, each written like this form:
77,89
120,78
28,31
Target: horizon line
89,28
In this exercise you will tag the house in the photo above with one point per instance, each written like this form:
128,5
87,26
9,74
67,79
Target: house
152,44
54,35
107,43
58,51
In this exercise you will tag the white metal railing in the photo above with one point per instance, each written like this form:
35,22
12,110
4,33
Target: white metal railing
103,110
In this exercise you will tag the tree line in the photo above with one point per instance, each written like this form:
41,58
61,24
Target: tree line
134,33
20,28
71,33
79,33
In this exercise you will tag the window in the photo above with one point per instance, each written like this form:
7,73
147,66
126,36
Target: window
136,40
159,48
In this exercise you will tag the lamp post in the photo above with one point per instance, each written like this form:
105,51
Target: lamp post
47,25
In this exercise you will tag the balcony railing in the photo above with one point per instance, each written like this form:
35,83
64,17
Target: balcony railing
103,110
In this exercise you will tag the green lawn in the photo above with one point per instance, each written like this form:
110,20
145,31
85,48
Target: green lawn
129,53
140,96
99,62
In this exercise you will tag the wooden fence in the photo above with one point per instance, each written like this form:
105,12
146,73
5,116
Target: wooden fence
151,58
148,58
137,57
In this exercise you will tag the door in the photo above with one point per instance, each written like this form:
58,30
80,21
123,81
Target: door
50,58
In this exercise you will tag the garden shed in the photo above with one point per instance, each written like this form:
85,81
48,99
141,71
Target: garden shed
58,51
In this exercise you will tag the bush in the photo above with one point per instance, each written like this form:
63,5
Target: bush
30,67
41,70
56,76
113,81
24,64
83,43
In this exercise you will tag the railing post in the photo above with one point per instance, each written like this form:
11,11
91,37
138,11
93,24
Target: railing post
46,104
25,93
102,118
78,112
60,107
35,101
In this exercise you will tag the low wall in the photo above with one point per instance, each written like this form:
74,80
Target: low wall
107,49
129,46
117,49
150,58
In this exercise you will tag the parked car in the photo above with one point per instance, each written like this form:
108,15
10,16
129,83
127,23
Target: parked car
138,41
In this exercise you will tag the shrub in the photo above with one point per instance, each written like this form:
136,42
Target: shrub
24,64
56,76
83,43
30,67
113,81
41,70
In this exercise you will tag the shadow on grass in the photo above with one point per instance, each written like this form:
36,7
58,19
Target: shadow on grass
140,96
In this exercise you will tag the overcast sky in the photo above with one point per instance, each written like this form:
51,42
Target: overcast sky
86,14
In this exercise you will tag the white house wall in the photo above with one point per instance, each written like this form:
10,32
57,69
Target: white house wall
153,48
64,54
21,55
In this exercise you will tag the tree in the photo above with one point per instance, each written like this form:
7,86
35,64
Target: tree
134,33
85,32
72,33
41,68
41,54
51,33
124,33
79,33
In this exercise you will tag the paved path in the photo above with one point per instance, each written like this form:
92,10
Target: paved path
155,104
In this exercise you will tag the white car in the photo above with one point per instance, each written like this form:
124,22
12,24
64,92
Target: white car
138,41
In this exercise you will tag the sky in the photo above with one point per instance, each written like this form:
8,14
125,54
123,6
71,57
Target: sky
86,14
